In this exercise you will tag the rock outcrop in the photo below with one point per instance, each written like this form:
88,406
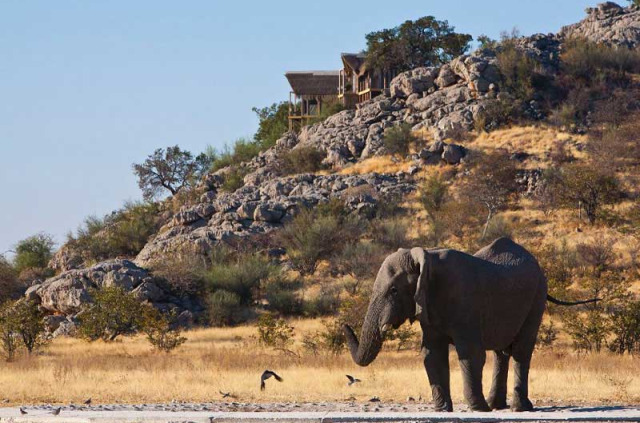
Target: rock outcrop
608,23
258,209
65,295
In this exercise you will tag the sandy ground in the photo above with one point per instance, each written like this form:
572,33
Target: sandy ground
305,412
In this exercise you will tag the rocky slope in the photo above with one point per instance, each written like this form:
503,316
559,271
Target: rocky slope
440,100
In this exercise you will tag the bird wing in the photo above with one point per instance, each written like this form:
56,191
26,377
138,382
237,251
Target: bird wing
351,379
262,385
266,375
278,378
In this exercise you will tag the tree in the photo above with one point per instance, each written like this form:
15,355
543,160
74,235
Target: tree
114,312
9,340
588,187
173,170
33,252
29,324
274,122
492,183
160,334
9,285
423,42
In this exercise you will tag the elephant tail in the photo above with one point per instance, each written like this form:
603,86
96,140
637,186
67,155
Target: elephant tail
568,303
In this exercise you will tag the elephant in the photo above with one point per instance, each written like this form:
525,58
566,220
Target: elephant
492,300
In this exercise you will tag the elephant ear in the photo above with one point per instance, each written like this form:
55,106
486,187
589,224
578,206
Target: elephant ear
423,260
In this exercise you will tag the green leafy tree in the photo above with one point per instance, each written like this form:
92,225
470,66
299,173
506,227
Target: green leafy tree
274,122
423,42
9,284
29,324
114,312
274,332
34,252
172,169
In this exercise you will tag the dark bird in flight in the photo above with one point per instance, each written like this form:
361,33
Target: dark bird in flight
352,380
225,394
22,411
266,375
56,411
87,402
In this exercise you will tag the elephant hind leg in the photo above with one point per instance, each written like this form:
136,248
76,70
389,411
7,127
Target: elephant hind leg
498,396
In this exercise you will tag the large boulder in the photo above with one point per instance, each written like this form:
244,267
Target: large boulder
608,23
415,81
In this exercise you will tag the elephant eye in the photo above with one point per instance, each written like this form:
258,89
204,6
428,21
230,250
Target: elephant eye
393,290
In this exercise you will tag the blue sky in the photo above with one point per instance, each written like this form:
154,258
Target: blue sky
89,87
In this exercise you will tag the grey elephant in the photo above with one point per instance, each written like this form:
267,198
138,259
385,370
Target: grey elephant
493,300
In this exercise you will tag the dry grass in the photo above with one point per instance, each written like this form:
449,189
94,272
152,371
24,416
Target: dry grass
229,360
378,164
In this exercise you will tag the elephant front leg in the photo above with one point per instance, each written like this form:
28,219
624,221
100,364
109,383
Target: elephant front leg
436,363
520,401
498,396
472,358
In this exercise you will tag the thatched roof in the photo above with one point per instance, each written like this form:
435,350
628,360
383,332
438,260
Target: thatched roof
314,82
355,61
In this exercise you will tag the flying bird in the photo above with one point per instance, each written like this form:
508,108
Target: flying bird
56,411
352,380
87,402
225,394
22,411
266,375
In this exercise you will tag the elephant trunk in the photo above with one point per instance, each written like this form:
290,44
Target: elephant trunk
365,351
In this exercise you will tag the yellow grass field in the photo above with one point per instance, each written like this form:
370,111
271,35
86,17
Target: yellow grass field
71,370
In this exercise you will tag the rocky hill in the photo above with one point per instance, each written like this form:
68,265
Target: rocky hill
440,102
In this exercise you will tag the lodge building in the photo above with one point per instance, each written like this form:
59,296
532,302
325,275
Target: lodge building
355,83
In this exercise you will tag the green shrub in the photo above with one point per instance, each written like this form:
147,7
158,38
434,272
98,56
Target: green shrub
29,324
233,179
325,303
547,335
183,273
274,332
122,233
281,296
390,233
398,139
114,312
223,308
9,337
303,159
433,193
33,252
10,286
625,326
160,334
241,275
518,70
360,260
311,237
587,61
243,150
274,122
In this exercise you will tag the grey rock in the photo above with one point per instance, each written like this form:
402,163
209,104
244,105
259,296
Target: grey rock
453,153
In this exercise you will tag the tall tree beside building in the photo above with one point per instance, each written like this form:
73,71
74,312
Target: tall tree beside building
423,42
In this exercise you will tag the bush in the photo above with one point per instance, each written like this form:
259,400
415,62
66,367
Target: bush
223,308
547,335
29,324
160,334
9,338
243,150
274,122
183,273
114,312
241,275
233,179
122,233
625,326
33,252
327,302
10,286
558,264
587,186
518,70
274,332
433,193
302,159
281,296
587,61
313,236
360,260
390,233
494,114
398,139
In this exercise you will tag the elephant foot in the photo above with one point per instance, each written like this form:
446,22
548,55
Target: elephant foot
444,408
498,403
480,405
521,404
